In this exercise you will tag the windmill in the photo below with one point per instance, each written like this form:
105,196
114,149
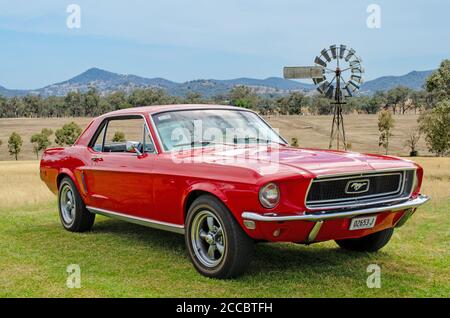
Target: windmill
337,74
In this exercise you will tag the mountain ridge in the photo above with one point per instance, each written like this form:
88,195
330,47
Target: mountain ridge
107,82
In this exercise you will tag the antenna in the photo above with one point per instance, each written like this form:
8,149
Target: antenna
337,74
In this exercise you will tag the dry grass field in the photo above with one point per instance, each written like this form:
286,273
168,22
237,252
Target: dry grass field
311,131
26,127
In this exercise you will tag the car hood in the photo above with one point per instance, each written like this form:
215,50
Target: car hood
281,159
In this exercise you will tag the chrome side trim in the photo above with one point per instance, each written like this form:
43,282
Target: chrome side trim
319,216
176,228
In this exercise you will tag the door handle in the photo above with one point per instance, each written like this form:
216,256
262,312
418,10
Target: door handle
96,158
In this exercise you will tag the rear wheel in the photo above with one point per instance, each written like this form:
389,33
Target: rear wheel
72,212
217,245
370,243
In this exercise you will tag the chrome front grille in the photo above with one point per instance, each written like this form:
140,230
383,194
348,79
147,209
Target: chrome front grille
357,189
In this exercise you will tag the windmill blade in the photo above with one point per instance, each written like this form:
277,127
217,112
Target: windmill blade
298,72
350,54
333,51
349,92
354,85
342,51
358,70
325,55
346,92
356,78
355,63
319,61
318,80
330,91
323,86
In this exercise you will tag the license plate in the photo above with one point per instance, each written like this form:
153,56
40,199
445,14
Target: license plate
366,222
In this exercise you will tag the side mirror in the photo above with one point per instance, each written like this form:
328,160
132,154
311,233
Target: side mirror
133,146
149,148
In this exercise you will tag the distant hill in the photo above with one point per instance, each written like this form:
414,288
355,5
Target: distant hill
105,82
414,80
12,92
108,82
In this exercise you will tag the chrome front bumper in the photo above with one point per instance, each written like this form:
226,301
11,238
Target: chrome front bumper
324,215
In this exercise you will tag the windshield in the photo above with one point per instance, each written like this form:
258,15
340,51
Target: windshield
200,128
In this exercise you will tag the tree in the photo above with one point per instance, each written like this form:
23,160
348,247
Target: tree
438,83
15,108
118,100
33,106
119,136
266,106
91,102
41,141
243,96
194,98
68,134
418,100
397,97
385,124
294,142
151,96
321,105
15,145
73,103
292,104
435,125
412,141
373,104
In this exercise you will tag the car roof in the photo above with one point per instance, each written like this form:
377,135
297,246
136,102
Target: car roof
164,108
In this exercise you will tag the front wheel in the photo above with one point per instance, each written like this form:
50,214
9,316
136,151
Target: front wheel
217,245
369,243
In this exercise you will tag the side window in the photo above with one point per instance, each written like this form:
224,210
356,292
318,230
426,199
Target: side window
119,134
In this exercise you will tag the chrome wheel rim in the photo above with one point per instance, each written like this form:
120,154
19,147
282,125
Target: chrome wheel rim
67,204
208,238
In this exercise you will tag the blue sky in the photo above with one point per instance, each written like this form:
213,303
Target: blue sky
190,39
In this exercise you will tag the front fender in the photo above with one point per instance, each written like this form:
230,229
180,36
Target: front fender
207,187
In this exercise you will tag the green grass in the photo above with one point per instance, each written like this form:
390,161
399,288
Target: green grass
119,259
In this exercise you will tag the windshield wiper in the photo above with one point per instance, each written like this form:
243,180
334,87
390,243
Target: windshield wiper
257,140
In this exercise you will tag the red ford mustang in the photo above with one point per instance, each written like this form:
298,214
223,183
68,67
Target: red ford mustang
225,179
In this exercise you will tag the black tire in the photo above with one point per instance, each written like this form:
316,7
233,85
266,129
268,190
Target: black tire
370,243
77,218
237,247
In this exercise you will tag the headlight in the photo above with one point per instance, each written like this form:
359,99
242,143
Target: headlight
269,195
